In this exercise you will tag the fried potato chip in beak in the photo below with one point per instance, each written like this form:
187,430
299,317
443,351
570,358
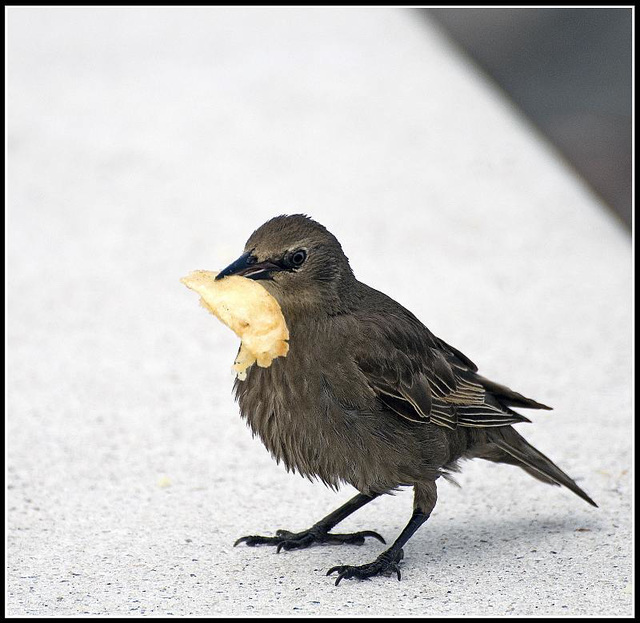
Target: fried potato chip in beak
249,311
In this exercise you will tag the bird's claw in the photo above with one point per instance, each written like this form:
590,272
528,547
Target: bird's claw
383,565
355,538
298,540
252,541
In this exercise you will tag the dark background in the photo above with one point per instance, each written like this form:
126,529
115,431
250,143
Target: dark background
569,71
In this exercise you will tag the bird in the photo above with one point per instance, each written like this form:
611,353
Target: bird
367,395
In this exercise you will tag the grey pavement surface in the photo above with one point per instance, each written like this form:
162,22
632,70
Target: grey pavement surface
569,69
144,143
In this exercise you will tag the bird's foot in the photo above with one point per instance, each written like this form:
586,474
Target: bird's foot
385,564
299,540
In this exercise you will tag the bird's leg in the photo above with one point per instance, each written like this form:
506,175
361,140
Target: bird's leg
424,501
319,532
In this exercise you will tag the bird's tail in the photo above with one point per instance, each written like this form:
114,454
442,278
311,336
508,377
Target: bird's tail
508,446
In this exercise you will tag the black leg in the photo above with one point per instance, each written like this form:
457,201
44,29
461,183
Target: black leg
387,562
319,532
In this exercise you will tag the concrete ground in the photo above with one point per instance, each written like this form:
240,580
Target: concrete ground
147,142
569,69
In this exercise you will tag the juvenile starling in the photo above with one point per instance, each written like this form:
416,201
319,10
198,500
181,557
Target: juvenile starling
367,394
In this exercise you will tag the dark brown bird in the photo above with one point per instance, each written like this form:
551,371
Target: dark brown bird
367,394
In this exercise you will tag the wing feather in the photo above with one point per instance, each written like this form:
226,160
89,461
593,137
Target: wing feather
419,377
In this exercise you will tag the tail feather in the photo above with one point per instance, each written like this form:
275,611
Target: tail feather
508,397
520,452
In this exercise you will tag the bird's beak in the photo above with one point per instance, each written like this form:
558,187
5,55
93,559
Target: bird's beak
247,266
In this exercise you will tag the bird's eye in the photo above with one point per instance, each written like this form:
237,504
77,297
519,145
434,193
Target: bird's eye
298,258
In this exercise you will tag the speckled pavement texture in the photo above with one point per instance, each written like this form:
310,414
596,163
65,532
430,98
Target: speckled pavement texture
147,142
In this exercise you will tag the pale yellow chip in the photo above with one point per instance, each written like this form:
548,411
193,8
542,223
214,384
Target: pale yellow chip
250,311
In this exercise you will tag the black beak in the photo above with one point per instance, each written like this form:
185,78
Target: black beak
248,266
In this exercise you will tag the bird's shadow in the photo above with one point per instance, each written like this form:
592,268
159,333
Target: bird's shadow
457,543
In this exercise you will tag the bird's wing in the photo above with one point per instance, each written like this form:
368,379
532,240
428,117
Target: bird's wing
423,379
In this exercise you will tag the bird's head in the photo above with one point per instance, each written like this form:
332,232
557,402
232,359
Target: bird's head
299,262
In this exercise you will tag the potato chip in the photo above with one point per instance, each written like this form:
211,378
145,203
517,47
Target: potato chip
249,311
